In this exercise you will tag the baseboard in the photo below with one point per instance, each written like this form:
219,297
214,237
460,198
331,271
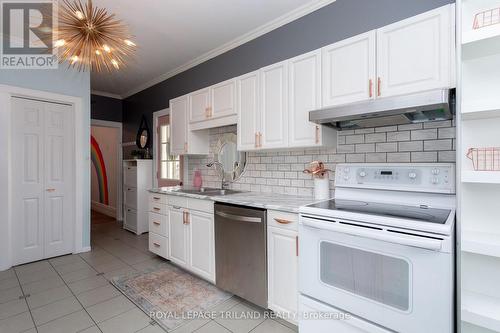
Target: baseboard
84,249
104,209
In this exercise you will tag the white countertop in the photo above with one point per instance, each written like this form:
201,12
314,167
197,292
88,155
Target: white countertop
272,201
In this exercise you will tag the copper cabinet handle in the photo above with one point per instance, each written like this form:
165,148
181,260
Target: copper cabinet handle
256,140
282,221
210,112
185,147
379,83
260,140
50,190
296,246
156,209
156,244
187,218
370,87
157,223
155,198
317,134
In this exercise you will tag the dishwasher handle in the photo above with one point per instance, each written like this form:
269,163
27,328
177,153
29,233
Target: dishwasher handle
239,218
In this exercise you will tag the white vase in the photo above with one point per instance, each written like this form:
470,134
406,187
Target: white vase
321,188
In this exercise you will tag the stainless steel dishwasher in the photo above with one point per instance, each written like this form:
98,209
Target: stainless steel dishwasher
241,252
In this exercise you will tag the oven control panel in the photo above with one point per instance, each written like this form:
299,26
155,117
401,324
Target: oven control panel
435,177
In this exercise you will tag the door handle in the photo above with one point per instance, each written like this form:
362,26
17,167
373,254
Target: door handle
187,218
382,235
296,246
370,88
282,221
379,83
317,134
239,217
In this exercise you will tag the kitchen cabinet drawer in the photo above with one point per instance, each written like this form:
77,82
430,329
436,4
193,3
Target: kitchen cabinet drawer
158,244
177,201
282,220
130,176
206,206
130,198
158,224
158,198
130,219
158,208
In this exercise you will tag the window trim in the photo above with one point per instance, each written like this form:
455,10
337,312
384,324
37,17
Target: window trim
183,159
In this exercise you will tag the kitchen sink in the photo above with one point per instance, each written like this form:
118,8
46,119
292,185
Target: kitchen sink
206,191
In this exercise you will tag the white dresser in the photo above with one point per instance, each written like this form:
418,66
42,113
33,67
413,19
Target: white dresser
137,180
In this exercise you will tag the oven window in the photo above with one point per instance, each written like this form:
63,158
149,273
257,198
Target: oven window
375,276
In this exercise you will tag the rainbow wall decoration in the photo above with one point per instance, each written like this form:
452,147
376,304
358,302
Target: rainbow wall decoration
100,168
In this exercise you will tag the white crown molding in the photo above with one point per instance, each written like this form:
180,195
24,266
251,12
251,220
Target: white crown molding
106,94
263,29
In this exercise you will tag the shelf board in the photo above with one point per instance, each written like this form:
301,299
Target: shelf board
481,243
482,42
482,177
481,310
480,113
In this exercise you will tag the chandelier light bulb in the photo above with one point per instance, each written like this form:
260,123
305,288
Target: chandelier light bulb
74,59
97,52
79,15
59,43
129,42
106,48
115,63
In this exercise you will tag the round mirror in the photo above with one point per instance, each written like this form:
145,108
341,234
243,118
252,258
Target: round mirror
143,139
232,160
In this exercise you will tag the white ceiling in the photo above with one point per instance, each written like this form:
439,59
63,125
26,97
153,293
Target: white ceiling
174,35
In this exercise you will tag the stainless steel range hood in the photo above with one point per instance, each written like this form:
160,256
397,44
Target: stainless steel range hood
434,105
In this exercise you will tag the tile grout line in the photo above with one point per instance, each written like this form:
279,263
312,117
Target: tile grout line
25,300
71,291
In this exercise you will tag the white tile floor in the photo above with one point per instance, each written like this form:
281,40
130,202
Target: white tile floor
73,293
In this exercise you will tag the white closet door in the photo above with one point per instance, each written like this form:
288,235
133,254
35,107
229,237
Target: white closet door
59,179
42,180
28,189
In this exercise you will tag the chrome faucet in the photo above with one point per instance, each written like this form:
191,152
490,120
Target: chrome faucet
222,173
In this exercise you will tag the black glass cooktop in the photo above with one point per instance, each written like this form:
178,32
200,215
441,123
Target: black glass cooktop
423,214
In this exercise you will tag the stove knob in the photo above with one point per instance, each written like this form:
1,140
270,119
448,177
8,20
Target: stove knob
346,177
412,175
362,174
435,180
346,170
435,171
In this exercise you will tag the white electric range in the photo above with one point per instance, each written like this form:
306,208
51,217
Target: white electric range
382,251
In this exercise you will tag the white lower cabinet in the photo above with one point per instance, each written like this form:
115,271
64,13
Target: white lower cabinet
282,260
200,227
178,249
182,230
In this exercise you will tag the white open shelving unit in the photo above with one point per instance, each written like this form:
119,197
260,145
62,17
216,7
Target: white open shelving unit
478,126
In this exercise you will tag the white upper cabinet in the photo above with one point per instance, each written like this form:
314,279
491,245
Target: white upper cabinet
415,54
199,105
183,140
349,70
274,106
247,105
304,95
223,100
178,123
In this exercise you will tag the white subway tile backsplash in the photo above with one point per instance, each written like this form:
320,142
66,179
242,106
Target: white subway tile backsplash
281,171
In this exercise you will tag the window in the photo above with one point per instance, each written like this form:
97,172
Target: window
169,166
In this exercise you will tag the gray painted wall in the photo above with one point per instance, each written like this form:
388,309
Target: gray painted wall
335,22
106,108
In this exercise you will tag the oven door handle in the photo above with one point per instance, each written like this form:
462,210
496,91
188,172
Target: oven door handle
378,234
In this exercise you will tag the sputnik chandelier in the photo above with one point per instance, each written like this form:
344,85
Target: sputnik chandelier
89,38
